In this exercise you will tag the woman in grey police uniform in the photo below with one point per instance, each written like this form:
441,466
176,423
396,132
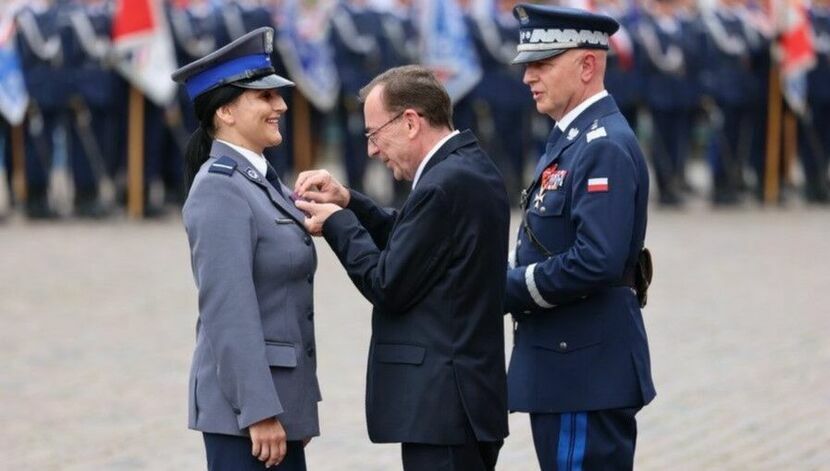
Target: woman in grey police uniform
253,384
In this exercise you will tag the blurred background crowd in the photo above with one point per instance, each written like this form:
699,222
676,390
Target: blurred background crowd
92,126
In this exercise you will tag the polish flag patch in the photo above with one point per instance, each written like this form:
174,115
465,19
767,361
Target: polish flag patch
596,185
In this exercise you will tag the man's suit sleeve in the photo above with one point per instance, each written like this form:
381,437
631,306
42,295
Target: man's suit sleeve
604,226
221,233
378,221
398,276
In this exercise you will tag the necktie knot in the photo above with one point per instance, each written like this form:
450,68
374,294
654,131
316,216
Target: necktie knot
274,179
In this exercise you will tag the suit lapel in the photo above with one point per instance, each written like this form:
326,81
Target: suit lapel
464,138
248,171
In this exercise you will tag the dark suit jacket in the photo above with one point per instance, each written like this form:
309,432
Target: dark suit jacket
435,275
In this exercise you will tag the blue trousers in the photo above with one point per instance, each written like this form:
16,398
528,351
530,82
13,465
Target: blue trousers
577,441
232,453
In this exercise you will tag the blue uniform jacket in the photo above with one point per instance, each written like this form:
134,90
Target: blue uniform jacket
664,66
434,273
818,79
580,343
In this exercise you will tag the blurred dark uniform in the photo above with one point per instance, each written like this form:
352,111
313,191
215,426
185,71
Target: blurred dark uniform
356,31
399,47
664,73
735,83
196,28
623,77
501,102
694,47
814,130
92,86
41,57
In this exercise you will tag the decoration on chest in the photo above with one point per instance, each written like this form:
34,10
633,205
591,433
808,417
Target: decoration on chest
553,178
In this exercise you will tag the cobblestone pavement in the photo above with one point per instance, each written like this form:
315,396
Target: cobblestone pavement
98,321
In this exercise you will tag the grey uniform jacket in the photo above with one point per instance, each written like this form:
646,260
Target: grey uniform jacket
254,265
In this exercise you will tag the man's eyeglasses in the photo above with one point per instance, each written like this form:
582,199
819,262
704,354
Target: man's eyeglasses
371,135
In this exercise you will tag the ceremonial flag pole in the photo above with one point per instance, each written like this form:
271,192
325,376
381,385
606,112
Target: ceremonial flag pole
773,157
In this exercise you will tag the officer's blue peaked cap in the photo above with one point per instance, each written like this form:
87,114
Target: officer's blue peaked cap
547,31
244,63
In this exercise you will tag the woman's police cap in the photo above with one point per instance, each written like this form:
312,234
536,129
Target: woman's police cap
244,63
547,31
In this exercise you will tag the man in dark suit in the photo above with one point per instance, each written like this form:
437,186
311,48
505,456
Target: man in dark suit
580,363
434,272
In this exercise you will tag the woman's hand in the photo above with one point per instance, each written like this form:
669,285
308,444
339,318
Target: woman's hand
269,441
319,186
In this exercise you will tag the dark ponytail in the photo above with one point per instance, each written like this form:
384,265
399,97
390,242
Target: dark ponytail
198,146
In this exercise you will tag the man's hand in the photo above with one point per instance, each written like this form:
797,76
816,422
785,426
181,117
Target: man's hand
268,439
316,214
319,186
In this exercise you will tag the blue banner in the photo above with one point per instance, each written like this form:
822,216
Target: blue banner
14,99
302,41
446,47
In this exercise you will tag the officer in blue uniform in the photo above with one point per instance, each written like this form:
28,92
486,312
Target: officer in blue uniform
622,76
41,58
694,45
356,30
665,74
92,86
197,29
580,363
732,80
501,101
814,130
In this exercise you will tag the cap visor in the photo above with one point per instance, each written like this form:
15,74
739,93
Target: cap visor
525,57
264,83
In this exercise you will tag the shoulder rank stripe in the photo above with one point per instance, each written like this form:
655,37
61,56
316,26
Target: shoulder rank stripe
224,165
596,133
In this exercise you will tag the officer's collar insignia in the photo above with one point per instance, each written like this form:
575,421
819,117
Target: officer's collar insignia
595,124
252,174
522,14
572,133
224,165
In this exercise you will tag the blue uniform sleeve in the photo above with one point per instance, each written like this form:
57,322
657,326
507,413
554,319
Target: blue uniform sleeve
221,233
400,275
604,221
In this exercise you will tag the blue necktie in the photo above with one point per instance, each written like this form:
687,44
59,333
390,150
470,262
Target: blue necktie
274,179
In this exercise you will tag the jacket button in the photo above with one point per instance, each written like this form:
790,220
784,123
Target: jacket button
236,411
309,351
310,279
563,345
543,209
307,240
310,315
519,243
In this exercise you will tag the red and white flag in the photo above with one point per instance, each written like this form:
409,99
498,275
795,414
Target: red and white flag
596,185
794,49
144,48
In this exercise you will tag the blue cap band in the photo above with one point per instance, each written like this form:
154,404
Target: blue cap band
227,72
